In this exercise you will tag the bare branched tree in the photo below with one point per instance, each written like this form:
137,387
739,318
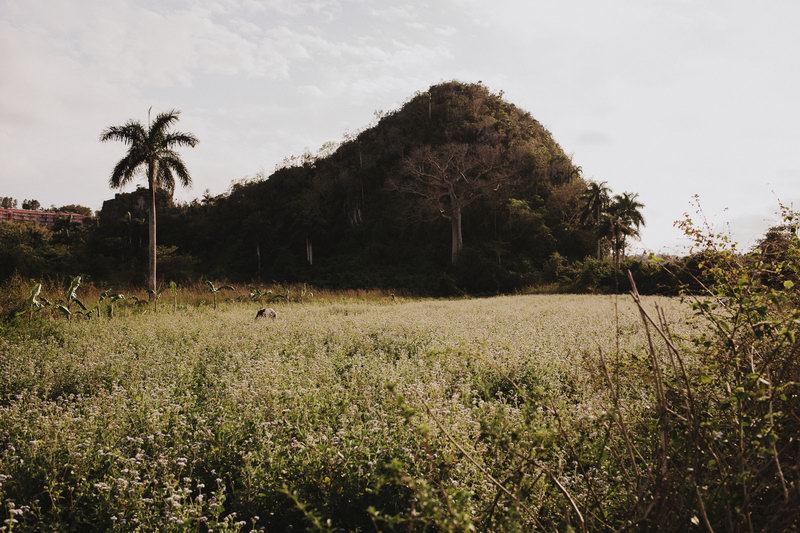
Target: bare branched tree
450,177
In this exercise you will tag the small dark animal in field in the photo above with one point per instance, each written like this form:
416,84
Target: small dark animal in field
267,312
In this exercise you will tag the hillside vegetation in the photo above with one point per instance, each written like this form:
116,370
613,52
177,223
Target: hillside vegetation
354,218
456,190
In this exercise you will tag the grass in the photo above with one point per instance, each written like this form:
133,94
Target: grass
345,414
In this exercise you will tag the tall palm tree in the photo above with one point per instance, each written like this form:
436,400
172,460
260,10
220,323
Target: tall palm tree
596,199
623,220
151,151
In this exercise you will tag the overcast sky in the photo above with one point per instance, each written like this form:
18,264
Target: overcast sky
665,98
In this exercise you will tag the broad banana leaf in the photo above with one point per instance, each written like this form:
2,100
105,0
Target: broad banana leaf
72,292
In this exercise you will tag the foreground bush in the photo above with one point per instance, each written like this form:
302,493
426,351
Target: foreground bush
715,443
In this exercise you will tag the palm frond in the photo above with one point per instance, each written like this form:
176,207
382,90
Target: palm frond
179,138
131,133
158,128
125,170
166,179
176,165
595,200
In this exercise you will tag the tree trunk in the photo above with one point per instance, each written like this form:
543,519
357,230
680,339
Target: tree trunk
258,260
429,107
458,240
599,240
151,259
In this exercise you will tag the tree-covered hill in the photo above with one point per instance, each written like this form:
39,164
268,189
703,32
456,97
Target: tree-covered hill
360,216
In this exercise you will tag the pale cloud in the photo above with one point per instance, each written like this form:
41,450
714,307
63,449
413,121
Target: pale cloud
395,13
445,31
592,137
310,90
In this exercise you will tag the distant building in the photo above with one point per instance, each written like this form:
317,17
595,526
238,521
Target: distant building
45,218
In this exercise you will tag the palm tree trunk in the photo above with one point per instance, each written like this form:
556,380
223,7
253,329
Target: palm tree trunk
458,240
599,244
151,259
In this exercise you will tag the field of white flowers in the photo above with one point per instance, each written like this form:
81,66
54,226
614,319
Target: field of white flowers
428,414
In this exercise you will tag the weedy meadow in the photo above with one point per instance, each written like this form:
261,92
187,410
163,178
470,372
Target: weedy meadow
337,414
370,412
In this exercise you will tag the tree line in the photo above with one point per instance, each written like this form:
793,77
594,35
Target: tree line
9,202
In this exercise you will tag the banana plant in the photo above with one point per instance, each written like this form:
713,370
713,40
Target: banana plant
70,298
34,302
214,290
100,299
114,299
138,303
305,292
256,294
173,289
278,297
155,295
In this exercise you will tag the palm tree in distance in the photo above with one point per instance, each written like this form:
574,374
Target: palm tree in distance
630,210
622,220
596,199
151,152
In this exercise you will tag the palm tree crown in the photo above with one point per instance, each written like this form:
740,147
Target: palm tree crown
146,146
629,209
595,201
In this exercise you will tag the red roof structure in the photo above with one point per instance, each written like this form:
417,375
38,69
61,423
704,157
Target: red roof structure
45,218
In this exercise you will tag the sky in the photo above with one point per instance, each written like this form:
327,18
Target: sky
668,98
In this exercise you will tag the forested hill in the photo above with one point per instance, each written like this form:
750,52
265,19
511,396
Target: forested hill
380,209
